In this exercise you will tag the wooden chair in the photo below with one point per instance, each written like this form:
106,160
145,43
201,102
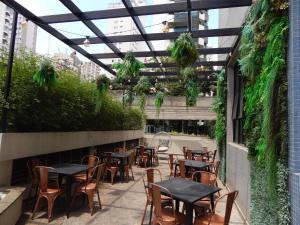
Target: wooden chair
90,160
216,219
189,154
143,157
91,187
171,165
165,215
155,157
182,171
129,166
208,178
49,193
184,151
110,167
200,158
151,174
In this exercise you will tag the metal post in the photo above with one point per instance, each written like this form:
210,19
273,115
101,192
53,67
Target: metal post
9,70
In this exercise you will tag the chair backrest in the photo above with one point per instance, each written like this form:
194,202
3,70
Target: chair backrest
90,160
150,174
184,149
216,167
156,196
131,159
207,178
199,158
171,162
43,172
214,156
229,203
142,150
98,173
189,154
108,159
182,168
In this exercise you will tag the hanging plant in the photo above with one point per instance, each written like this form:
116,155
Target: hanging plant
102,83
142,88
159,100
183,50
192,90
46,76
129,68
126,72
128,97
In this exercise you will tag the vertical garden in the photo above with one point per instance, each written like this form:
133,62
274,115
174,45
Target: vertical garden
263,62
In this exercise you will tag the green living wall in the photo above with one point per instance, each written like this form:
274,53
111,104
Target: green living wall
263,61
68,105
220,125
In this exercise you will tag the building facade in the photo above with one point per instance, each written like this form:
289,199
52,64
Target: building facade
90,71
26,33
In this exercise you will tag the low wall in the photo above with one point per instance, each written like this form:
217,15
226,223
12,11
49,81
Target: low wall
22,145
238,175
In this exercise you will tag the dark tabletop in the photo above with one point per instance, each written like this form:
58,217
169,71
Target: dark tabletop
147,148
198,151
186,190
69,169
121,154
194,164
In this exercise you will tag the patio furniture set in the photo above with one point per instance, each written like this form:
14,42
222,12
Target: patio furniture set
194,184
72,180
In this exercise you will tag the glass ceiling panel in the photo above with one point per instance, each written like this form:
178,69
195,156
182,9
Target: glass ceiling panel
92,5
149,2
43,8
73,29
97,48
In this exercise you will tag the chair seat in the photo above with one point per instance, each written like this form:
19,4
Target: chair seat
52,191
168,216
209,220
90,186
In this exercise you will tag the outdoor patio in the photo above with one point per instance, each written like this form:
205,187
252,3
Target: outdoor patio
122,203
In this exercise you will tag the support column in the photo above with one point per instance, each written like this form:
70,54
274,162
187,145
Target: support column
294,109
9,70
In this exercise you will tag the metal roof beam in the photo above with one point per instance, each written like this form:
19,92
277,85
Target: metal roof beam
162,36
26,13
78,13
201,51
170,65
140,28
149,10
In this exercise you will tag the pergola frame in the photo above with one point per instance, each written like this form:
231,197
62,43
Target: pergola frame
86,18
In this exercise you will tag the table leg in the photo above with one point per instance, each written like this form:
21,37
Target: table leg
151,211
177,206
122,170
189,214
68,193
175,172
212,201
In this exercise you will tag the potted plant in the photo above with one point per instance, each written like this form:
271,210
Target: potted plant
142,88
46,76
102,83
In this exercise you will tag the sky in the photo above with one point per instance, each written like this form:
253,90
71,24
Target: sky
47,44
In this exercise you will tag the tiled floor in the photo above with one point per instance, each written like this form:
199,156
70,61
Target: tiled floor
122,204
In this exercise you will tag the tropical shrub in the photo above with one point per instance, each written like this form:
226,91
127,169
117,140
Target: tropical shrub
69,105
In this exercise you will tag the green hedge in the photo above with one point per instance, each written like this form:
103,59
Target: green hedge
67,106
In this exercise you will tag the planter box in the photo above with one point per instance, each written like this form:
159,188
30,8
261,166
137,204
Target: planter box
21,145
11,205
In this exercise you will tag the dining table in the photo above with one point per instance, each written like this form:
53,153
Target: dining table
123,158
193,164
201,152
188,192
148,149
67,171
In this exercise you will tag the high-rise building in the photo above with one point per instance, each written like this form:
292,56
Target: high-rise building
90,71
66,61
178,22
25,35
123,26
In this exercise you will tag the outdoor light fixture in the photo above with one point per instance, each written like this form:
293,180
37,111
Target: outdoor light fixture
24,23
87,42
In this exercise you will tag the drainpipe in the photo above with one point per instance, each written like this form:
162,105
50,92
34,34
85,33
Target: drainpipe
294,109
9,70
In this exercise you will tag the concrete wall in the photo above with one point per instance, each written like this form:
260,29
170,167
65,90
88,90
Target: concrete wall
237,164
21,145
238,175
174,108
